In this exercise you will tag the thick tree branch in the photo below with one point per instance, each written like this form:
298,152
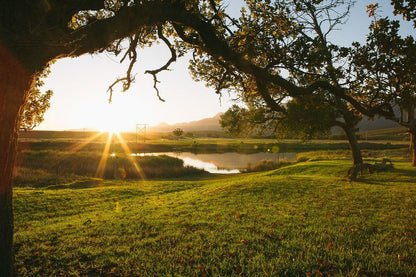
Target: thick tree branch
262,88
213,45
125,22
70,7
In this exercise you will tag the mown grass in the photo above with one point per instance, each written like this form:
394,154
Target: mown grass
304,219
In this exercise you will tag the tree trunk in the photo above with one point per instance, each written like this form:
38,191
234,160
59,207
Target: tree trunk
411,121
355,148
413,146
15,81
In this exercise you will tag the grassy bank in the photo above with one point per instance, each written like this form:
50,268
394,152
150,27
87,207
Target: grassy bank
42,168
304,219
205,145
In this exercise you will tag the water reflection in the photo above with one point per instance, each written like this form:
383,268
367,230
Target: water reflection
224,163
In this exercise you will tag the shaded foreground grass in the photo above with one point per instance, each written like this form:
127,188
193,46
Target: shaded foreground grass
303,219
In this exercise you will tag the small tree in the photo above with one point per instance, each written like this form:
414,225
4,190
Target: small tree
307,117
304,117
177,132
233,121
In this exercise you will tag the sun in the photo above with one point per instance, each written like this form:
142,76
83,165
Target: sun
111,129
114,118
112,125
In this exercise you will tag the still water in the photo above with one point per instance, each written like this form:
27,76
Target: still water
224,163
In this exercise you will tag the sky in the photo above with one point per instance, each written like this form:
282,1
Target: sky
80,85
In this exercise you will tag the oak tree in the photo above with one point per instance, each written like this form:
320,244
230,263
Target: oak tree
385,68
291,38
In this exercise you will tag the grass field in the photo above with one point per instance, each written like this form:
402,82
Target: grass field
304,219
66,141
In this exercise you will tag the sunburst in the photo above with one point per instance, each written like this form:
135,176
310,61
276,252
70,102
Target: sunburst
130,157
104,156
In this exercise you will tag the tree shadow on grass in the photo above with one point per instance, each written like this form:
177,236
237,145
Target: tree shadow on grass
406,172
400,176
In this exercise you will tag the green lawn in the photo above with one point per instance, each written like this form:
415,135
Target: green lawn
304,219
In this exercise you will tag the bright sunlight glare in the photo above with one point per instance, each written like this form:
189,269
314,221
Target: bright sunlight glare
119,116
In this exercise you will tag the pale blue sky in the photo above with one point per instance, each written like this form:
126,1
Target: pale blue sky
80,99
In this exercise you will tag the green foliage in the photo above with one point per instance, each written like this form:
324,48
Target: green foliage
36,105
385,68
253,121
293,37
407,8
177,132
306,118
233,121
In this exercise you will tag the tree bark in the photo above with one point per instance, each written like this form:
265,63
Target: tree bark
413,146
411,121
15,81
353,141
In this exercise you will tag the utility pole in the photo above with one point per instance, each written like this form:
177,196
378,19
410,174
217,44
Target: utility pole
141,129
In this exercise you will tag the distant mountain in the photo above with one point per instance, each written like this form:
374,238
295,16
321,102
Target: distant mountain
212,124
206,124
377,123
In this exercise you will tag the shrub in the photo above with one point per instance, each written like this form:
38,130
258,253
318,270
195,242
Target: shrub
265,165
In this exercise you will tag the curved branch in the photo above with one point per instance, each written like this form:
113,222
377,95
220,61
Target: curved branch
128,79
164,67
264,92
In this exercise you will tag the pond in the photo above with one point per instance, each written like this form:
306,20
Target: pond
224,163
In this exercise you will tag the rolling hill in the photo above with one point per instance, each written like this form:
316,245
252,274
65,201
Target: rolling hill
206,124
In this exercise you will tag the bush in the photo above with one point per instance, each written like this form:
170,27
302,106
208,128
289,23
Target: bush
302,159
265,165
177,132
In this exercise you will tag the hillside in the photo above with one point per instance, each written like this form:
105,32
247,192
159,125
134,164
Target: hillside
300,220
376,124
206,124
212,124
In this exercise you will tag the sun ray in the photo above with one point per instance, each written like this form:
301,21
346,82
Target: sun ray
81,145
130,157
103,161
74,148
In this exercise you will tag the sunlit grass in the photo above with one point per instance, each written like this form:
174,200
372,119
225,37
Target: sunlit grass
305,219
